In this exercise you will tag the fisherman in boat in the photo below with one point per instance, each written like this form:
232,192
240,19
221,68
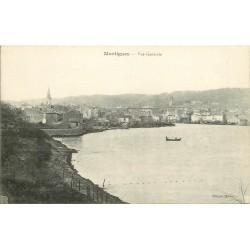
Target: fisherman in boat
173,139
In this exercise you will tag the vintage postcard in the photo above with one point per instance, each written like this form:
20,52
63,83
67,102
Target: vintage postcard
125,124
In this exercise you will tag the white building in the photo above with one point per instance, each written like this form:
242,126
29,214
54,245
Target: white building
174,118
219,118
123,120
196,118
208,118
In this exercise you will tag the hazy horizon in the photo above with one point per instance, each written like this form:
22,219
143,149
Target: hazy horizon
67,96
28,71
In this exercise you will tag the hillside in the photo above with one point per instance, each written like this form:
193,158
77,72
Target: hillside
225,97
37,169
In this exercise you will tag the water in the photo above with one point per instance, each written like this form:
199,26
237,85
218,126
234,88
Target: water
139,166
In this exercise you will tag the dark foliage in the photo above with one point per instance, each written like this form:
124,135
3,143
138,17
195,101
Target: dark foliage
26,176
15,130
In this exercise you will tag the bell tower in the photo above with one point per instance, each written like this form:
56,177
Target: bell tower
48,99
171,102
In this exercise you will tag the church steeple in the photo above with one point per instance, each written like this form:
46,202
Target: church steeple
171,102
48,98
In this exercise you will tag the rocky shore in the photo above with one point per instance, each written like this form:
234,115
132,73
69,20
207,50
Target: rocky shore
71,132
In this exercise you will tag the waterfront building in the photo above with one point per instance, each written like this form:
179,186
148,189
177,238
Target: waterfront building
124,119
196,118
220,118
103,122
233,119
214,118
52,117
173,118
185,118
135,120
244,122
72,119
38,114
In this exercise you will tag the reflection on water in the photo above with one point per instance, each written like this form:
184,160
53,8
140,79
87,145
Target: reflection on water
139,166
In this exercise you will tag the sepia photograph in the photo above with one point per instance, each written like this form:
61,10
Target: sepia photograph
125,125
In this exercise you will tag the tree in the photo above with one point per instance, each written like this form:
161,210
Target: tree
240,192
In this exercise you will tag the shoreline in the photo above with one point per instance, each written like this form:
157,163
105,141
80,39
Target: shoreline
61,160
78,182
80,132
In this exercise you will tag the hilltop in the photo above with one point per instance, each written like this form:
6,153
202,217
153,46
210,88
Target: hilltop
229,97
224,97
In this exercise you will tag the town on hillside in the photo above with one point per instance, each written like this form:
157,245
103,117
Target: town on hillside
69,119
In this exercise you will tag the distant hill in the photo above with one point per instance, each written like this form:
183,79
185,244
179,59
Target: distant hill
224,97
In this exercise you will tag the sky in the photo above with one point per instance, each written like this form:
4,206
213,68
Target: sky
28,71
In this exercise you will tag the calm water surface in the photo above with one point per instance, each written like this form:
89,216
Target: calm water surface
139,166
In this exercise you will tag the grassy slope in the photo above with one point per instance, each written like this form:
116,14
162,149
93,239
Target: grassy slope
27,175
